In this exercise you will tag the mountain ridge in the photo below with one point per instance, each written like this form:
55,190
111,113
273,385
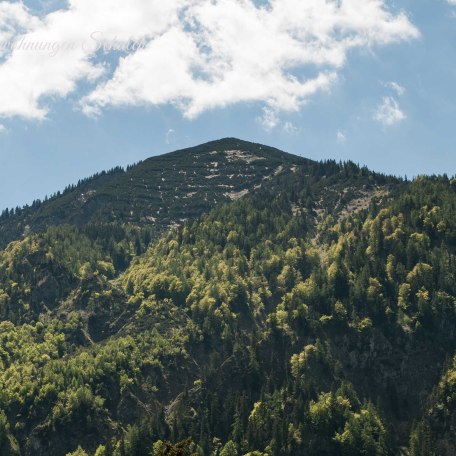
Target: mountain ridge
163,190
110,194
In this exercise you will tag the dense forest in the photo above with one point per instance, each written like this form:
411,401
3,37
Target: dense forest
289,307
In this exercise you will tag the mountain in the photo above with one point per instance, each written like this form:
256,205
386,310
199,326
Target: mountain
288,307
163,191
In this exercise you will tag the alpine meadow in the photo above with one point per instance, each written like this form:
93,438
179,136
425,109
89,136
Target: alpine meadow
231,299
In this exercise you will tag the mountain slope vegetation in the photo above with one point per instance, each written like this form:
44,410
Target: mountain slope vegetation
313,314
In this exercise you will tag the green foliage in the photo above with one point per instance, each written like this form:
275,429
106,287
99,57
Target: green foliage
229,449
364,433
270,325
183,448
78,452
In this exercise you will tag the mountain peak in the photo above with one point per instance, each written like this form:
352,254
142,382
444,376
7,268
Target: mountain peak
163,190
230,146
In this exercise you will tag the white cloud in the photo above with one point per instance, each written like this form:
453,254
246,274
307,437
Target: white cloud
269,120
341,136
3,129
29,76
198,54
388,112
395,87
290,128
14,19
169,134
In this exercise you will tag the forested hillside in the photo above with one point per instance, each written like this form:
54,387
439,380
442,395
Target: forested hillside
310,309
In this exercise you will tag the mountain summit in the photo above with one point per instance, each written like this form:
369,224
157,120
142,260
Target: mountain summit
166,190
162,191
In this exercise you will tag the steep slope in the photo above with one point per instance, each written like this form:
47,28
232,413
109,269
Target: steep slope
237,328
315,314
323,336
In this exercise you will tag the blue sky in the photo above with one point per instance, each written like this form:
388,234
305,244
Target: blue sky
388,101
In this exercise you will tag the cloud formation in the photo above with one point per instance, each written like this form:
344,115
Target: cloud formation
388,112
395,87
14,19
341,136
290,128
194,54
